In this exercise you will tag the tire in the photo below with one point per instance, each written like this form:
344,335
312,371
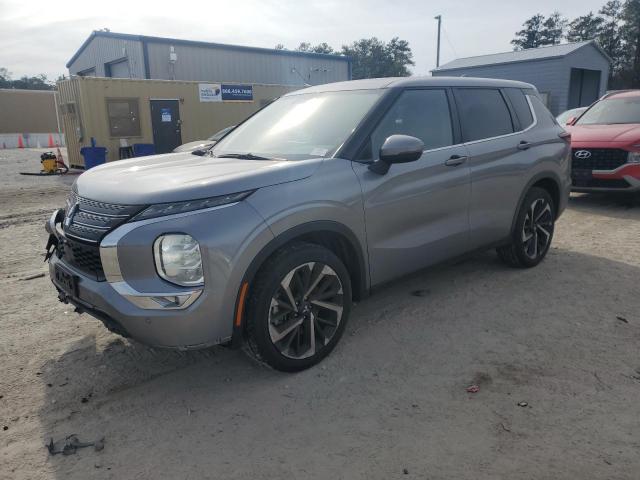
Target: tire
530,242
298,308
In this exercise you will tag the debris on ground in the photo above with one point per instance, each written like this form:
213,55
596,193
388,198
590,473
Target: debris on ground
405,471
473,389
523,404
33,277
622,319
70,444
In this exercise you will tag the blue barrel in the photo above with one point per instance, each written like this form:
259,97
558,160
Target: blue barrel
93,156
143,149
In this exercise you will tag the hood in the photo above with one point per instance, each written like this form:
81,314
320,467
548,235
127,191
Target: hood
195,145
628,133
178,177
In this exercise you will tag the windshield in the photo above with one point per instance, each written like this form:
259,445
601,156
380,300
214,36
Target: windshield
612,110
300,127
574,112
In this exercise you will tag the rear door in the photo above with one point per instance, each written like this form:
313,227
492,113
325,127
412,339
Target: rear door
165,121
500,153
417,213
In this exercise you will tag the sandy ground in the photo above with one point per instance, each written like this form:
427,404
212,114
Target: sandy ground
390,402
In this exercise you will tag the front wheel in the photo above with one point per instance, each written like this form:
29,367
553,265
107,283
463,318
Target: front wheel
533,231
299,307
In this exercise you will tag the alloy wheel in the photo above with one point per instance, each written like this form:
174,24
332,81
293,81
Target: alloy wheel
537,228
305,310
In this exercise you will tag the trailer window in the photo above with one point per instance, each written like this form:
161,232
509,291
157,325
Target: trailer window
123,117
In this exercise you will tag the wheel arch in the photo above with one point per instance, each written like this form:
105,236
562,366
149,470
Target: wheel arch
332,235
548,181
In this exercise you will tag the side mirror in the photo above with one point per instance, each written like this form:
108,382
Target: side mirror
397,149
571,120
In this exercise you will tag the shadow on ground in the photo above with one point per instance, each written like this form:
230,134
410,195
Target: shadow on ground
392,397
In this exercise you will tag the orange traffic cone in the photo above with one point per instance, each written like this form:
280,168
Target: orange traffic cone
51,144
20,142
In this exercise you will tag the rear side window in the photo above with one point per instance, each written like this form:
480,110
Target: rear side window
521,107
483,113
420,113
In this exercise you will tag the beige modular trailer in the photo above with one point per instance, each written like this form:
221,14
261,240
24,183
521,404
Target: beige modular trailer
116,111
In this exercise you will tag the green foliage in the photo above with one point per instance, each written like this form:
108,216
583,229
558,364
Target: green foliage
530,35
38,82
371,58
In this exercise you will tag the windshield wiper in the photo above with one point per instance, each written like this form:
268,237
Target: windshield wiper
244,156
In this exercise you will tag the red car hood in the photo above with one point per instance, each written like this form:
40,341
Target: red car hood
621,134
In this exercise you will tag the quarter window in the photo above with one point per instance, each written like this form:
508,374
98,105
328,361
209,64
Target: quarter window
521,107
483,113
123,117
423,114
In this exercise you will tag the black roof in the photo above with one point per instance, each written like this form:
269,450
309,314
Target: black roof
194,43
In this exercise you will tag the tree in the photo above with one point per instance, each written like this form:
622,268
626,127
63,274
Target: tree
373,58
530,35
631,40
304,47
280,47
323,48
553,29
586,27
610,33
37,82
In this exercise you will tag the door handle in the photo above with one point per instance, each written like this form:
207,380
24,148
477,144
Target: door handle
455,160
524,145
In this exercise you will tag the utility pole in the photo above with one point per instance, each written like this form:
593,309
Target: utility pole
439,18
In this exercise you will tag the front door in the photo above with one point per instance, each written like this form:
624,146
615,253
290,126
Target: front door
417,213
165,121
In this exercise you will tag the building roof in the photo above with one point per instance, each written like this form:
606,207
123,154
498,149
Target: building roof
401,82
530,54
194,43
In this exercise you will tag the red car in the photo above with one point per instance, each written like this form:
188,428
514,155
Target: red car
605,145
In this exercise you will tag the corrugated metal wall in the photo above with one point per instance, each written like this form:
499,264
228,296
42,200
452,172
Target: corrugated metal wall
88,116
208,63
550,76
103,50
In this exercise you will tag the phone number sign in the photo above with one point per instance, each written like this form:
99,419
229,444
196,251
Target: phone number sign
215,92
237,93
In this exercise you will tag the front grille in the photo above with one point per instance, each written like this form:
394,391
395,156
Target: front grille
85,223
90,220
600,159
82,256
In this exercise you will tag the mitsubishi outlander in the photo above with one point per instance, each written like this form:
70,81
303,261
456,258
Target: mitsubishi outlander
268,238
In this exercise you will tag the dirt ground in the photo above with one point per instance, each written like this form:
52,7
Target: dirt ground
390,402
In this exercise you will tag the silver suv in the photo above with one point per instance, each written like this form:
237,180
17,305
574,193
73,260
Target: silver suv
305,207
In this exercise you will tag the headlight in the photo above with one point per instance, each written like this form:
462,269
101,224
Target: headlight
163,209
634,157
178,259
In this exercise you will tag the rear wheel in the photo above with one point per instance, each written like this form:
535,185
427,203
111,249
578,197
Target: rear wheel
533,231
299,307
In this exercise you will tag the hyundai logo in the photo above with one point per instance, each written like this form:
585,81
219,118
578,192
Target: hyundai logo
582,154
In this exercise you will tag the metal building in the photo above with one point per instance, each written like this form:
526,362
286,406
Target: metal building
118,55
568,75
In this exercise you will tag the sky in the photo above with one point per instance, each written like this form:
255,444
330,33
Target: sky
39,36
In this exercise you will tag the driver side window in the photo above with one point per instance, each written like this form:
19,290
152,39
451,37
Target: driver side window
423,114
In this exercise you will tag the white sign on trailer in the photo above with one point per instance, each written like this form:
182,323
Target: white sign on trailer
210,92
